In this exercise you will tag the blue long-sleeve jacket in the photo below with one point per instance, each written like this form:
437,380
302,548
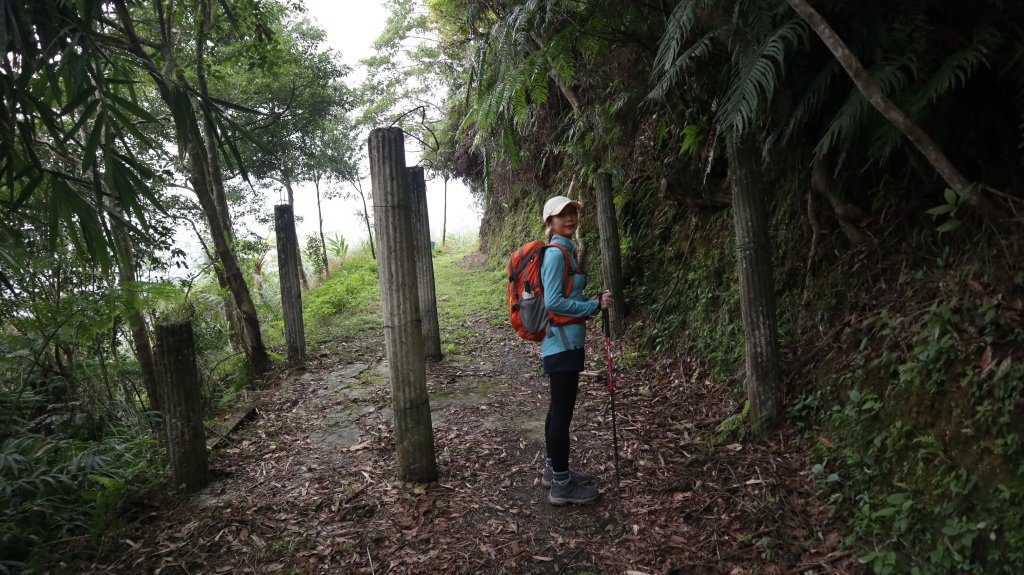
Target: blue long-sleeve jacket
551,272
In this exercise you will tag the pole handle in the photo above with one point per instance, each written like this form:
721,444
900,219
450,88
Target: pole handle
605,323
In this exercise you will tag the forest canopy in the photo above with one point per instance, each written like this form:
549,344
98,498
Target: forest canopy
878,147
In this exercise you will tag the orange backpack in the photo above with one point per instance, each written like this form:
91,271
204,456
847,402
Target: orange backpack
530,318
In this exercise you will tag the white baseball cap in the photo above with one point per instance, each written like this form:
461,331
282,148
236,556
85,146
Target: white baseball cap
555,205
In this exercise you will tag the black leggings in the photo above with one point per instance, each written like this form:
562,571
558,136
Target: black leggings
556,427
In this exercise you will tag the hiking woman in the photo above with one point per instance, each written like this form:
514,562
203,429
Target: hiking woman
562,350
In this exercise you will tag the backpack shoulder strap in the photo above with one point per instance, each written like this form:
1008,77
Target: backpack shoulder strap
523,262
567,277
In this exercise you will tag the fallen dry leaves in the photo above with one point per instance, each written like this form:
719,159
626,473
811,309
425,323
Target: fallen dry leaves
289,501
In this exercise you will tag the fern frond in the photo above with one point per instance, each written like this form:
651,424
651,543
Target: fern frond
698,51
759,17
550,10
850,119
759,74
954,73
675,32
886,141
511,150
589,45
565,66
524,16
693,140
681,23
519,107
810,104
538,85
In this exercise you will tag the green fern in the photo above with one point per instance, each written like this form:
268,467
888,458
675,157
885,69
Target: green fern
954,73
561,58
697,52
884,143
759,75
848,121
538,85
814,97
681,23
669,62
693,140
511,77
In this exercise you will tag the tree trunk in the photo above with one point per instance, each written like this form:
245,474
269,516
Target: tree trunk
182,405
611,258
403,336
211,138
563,86
236,327
188,136
366,217
921,140
291,292
259,362
848,216
236,330
757,291
127,275
320,219
444,218
424,263
298,253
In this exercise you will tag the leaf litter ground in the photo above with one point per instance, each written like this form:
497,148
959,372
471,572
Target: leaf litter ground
308,486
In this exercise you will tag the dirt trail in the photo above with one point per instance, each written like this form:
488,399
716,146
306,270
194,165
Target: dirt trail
309,487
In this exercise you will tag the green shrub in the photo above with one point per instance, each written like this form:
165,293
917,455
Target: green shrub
55,488
314,254
926,456
353,285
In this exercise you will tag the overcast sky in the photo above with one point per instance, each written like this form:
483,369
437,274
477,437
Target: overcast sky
351,27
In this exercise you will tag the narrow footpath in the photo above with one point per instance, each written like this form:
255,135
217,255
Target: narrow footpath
308,485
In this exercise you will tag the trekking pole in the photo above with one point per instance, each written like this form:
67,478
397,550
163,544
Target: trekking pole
611,391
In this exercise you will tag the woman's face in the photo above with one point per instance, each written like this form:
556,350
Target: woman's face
564,224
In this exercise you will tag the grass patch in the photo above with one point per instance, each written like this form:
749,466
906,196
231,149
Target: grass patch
469,292
460,238
347,305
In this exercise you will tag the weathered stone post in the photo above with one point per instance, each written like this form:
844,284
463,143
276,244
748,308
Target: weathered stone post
757,290
291,291
181,405
424,264
403,336
611,258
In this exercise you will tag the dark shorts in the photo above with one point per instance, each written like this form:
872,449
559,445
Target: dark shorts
566,361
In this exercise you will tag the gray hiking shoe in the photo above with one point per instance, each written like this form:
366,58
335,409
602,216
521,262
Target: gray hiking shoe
581,477
571,492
